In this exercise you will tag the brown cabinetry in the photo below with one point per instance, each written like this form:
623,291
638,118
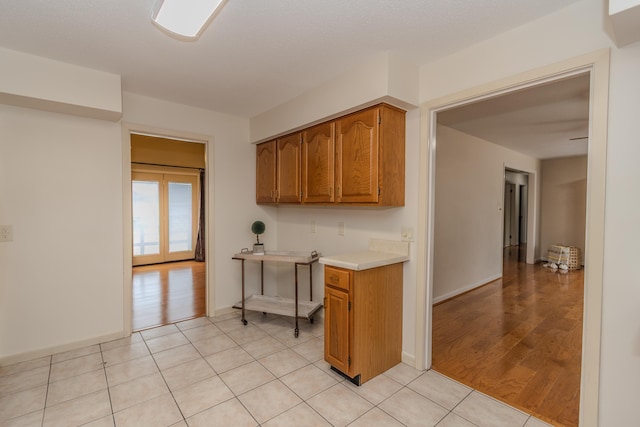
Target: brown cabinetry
318,155
357,159
278,170
363,320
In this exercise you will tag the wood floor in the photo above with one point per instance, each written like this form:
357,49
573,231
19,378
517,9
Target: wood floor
518,339
167,293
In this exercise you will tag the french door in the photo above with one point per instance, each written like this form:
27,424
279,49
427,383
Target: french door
164,209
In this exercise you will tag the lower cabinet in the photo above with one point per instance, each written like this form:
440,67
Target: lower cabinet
363,320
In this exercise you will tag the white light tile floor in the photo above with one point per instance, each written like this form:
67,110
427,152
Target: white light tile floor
216,371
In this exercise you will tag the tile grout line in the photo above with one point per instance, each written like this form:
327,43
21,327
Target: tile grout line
160,370
46,395
458,404
106,378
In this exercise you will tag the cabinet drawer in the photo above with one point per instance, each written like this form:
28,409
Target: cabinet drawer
336,277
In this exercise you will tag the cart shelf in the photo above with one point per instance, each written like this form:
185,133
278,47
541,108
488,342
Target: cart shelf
276,305
281,306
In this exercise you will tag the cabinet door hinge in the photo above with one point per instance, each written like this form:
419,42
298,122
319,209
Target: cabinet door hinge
379,119
379,191
349,306
349,360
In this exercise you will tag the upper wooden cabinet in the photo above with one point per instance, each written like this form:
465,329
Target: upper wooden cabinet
357,159
288,169
318,155
278,170
266,172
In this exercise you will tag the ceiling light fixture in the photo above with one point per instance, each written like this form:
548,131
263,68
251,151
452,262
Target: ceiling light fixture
185,19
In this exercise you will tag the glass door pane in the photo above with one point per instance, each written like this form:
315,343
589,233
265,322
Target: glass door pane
165,221
146,217
180,217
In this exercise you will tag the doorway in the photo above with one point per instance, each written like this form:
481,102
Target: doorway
509,214
596,64
516,311
516,212
167,217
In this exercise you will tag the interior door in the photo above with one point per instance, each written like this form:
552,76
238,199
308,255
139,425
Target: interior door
164,210
509,214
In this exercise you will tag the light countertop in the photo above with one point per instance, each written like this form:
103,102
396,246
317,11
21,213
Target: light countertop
380,253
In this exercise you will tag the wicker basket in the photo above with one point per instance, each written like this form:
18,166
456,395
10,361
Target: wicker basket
575,260
568,255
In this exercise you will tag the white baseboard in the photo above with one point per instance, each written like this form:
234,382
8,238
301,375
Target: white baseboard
30,355
409,359
466,288
223,311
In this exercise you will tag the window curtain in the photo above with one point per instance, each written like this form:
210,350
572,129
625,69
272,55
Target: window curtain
200,249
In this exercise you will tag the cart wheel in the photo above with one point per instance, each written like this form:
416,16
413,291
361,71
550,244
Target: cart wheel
311,320
244,322
296,332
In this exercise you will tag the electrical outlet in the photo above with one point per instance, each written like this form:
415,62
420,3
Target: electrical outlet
313,227
6,233
341,228
406,233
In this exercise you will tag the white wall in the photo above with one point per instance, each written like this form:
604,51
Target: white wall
384,77
563,202
620,373
35,82
469,196
575,30
60,188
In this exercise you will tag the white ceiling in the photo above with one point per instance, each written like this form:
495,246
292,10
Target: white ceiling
256,54
541,121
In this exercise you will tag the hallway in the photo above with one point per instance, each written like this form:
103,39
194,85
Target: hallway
518,339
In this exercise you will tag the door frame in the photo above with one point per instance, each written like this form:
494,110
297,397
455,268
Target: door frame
127,222
509,211
597,64
530,212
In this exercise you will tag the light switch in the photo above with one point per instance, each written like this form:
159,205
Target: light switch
341,228
6,233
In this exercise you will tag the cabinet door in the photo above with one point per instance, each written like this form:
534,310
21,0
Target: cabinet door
318,154
336,329
357,157
288,175
266,172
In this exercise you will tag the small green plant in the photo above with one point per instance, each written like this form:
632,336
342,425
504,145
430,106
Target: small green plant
258,228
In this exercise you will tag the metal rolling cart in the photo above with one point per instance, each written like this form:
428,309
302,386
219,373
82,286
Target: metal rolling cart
283,306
